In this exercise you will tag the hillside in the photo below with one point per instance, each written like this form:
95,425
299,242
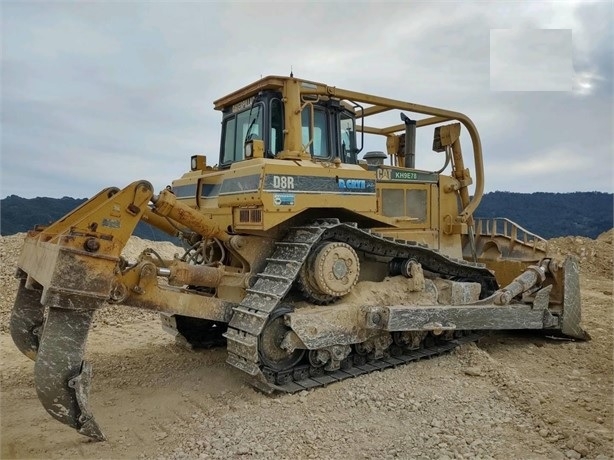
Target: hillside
21,214
549,215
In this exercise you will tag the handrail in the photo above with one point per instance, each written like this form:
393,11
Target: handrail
440,115
510,229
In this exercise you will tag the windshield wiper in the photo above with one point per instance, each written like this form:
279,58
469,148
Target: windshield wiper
251,125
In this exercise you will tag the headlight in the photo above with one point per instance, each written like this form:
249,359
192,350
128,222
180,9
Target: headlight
248,150
198,163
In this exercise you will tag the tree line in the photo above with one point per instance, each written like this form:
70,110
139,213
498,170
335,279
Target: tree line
22,214
546,214
551,215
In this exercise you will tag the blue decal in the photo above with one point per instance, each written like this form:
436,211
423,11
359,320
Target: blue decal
283,199
352,184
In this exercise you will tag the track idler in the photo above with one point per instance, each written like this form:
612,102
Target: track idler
27,319
61,376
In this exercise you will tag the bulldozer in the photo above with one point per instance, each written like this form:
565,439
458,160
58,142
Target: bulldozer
278,234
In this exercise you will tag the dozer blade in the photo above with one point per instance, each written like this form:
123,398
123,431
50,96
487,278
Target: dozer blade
27,319
572,311
61,376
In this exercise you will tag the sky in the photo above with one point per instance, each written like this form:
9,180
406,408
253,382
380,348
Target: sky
98,94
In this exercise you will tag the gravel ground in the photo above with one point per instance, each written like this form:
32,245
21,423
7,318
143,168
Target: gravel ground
507,396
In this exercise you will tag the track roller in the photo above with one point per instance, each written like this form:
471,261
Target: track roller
271,352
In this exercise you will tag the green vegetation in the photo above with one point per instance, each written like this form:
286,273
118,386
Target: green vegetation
553,214
22,214
547,214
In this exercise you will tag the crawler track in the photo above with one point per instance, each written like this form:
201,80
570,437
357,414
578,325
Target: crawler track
275,281
305,377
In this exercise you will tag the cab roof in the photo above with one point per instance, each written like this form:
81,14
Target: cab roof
270,82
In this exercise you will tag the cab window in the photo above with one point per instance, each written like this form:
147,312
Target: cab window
319,147
276,140
348,137
236,129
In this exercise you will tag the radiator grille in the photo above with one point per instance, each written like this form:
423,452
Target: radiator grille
250,216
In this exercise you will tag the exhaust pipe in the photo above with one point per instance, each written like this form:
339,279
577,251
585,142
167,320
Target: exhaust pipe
410,141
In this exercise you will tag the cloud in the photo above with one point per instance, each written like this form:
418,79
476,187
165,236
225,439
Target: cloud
542,166
544,163
98,94
530,60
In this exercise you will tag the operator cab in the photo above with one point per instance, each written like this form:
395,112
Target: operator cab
262,117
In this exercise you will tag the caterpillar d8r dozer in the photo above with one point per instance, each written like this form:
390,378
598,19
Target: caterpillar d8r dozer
279,236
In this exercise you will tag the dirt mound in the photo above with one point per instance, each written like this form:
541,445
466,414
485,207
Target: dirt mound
10,247
136,245
596,256
608,236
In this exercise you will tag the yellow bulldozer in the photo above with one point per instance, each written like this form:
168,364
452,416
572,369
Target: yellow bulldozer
278,234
